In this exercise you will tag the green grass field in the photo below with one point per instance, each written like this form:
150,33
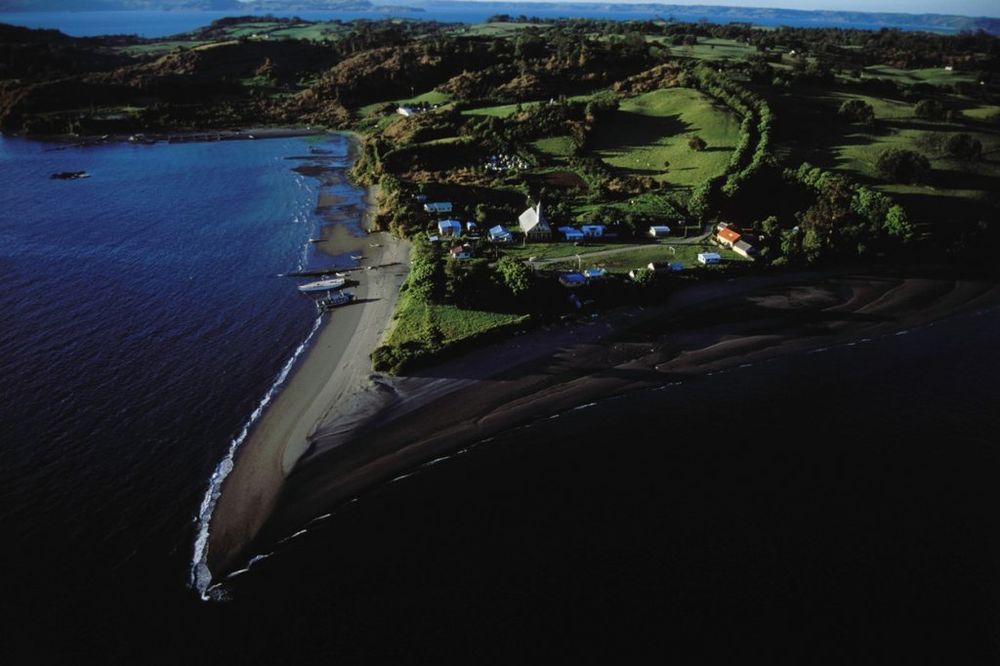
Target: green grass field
558,249
555,147
430,97
641,256
654,128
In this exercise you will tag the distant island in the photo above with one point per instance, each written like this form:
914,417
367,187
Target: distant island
236,6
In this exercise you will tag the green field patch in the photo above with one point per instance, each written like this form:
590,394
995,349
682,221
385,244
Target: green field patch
418,322
652,130
556,147
501,111
559,249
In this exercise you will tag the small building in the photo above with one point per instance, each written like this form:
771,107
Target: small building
470,227
595,273
571,234
659,266
407,110
676,266
659,231
450,228
534,224
437,207
460,252
744,249
572,280
592,230
708,258
727,237
499,235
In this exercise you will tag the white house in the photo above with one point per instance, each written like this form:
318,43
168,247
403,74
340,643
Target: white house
499,235
707,258
534,225
659,231
450,228
407,110
592,230
571,234
438,207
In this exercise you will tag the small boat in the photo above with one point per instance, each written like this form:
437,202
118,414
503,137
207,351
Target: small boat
317,240
357,257
323,285
70,175
334,300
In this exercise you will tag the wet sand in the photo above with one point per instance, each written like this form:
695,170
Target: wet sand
397,424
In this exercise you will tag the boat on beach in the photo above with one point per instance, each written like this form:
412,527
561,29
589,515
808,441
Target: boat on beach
334,300
324,285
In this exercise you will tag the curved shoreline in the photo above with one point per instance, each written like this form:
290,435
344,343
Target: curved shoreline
701,329
335,367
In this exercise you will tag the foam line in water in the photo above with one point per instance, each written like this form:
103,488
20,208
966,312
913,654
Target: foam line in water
201,576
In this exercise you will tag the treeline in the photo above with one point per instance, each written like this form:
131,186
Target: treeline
752,150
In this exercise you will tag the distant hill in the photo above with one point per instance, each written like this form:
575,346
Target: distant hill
713,13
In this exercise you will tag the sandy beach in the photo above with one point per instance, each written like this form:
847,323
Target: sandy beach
319,391
392,425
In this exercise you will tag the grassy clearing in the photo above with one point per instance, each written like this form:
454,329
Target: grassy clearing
415,319
430,97
623,262
560,249
714,49
653,129
501,111
556,147
497,29
937,76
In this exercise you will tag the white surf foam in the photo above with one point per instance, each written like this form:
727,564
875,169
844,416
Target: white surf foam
201,576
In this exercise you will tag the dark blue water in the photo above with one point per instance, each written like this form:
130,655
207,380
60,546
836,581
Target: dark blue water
143,322
161,23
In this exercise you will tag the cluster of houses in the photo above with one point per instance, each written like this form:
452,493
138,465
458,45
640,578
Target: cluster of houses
504,162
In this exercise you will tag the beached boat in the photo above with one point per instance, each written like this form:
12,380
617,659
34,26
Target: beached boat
334,300
323,285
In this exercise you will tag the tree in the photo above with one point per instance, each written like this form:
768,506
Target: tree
515,275
645,277
964,147
929,109
857,111
898,224
697,143
897,164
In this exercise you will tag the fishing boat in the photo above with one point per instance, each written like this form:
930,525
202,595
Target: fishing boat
324,285
334,300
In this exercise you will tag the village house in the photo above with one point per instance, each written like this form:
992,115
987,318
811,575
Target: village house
460,252
407,110
744,249
450,228
499,235
572,280
708,258
727,237
665,266
470,227
592,230
437,207
534,225
659,231
571,234
595,273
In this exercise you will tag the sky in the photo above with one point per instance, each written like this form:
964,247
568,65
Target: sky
960,7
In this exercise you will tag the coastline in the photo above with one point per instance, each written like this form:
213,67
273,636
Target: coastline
333,370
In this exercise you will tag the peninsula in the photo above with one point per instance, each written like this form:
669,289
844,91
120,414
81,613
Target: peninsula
596,206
